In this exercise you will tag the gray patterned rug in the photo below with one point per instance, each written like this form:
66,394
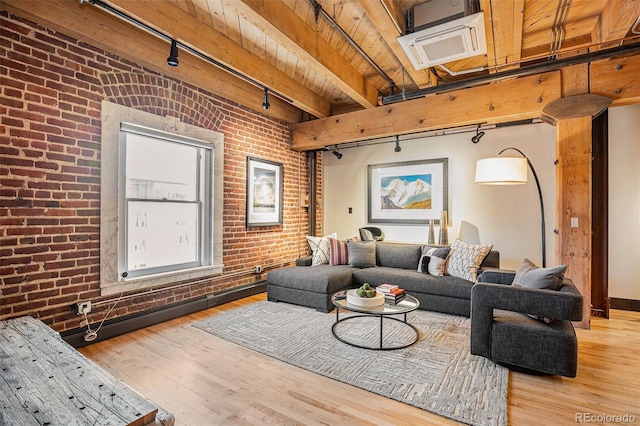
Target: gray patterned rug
437,373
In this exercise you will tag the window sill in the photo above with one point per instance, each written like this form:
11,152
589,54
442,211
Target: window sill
155,280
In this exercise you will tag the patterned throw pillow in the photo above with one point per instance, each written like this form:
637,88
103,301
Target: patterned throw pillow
465,259
320,249
433,260
338,254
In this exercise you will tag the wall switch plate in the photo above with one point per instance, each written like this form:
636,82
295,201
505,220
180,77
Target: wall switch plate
574,222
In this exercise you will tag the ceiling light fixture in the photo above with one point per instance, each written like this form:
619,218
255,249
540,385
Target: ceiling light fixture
478,136
265,102
172,60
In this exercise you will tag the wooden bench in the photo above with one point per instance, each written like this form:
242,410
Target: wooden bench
45,381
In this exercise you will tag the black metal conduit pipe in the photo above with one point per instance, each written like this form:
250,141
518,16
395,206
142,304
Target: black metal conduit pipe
184,47
318,7
519,72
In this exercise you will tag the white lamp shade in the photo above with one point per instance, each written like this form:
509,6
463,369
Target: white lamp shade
501,171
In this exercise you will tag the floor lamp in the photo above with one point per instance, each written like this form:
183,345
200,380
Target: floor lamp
510,171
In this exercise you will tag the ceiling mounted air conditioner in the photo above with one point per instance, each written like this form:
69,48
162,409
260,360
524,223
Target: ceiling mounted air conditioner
453,40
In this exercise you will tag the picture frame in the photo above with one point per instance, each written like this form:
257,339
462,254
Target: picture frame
409,192
264,192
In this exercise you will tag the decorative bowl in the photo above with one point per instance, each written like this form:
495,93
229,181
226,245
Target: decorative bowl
354,299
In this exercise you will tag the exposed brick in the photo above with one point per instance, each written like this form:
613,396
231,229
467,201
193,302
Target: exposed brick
53,126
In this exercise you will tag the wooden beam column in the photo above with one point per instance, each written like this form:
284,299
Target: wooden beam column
573,198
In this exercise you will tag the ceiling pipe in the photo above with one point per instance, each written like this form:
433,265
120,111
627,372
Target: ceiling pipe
518,72
317,8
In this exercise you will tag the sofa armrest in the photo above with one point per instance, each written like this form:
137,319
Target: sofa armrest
496,276
563,304
303,261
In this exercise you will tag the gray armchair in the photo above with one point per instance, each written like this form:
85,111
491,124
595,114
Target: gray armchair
508,324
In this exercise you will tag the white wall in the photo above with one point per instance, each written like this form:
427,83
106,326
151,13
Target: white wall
506,216
624,202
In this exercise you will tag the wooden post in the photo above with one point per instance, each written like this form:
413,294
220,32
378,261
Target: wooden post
573,209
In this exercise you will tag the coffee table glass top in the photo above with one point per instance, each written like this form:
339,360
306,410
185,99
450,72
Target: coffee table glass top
408,304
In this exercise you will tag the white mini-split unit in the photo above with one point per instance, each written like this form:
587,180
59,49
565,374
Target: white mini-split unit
453,39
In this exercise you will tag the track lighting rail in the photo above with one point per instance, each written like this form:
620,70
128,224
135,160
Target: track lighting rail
163,36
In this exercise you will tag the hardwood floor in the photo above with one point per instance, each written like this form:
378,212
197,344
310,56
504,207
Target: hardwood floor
204,380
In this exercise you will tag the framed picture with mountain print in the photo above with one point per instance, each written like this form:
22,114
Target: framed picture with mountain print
264,192
408,192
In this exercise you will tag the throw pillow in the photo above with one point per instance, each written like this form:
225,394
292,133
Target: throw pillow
320,249
465,259
530,276
433,260
338,253
362,254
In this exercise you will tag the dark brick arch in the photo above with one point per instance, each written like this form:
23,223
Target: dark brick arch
162,96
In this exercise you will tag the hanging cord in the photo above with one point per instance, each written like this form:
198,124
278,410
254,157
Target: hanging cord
91,335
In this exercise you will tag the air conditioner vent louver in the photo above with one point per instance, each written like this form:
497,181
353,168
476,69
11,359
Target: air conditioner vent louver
457,39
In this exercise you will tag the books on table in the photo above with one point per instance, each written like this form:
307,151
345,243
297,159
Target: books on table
392,293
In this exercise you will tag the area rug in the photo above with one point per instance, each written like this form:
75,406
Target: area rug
437,373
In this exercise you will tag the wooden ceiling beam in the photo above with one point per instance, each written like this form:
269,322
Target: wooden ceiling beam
280,21
376,12
504,101
615,21
618,79
98,28
177,23
503,23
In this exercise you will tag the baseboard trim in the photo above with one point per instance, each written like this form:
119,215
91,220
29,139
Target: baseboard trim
129,323
625,304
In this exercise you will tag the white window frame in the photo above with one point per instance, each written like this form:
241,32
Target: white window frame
117,121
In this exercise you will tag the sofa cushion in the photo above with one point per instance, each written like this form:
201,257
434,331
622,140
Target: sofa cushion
404,256
530,276
317,279
415,282
362,254
465,259
319,249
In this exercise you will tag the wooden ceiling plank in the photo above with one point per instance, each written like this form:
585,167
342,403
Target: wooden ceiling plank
616,19
376,12
93,26
504,101
507,18
184,27
285,25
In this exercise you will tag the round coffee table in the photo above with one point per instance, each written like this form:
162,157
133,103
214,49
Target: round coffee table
408,304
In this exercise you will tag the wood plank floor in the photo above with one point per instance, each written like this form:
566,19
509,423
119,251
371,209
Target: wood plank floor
204,380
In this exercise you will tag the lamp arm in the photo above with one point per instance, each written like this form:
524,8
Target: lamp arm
535,176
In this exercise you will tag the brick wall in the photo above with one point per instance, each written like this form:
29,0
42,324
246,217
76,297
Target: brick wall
51,91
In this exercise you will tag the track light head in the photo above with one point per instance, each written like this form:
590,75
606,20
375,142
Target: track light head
172,60
478,136
337,154
398,148
265,101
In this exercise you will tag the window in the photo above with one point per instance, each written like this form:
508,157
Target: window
167,210
160,201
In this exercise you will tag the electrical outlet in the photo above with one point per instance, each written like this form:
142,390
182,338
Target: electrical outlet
84,307
258,269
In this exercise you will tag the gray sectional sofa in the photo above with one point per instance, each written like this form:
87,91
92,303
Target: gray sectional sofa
397,263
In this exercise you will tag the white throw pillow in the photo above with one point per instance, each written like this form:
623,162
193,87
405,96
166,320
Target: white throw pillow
465,259
320,249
